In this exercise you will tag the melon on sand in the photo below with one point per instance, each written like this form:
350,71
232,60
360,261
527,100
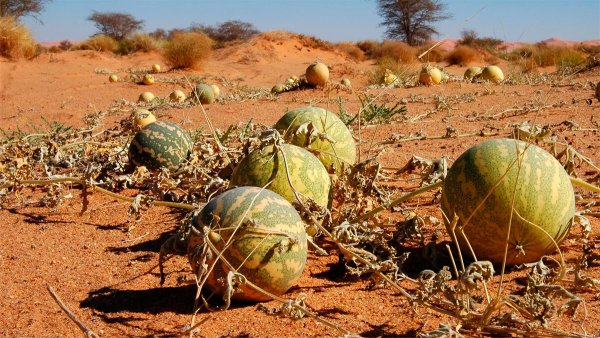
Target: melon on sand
492,73
160,144
322,133
204,93
143,117
479,190
255,232
268,164
317,74
472,72
146,97
430,75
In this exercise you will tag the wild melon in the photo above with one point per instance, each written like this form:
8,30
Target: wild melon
472,72
506,185
317,74
322,133
267,164
204,93
259,234
430,75
160,144
492,73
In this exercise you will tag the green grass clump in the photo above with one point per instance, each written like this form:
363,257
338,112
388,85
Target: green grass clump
187,50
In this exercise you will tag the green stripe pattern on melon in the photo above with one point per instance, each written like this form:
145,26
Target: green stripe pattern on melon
269,248
160,144
479,190
307,174
321,132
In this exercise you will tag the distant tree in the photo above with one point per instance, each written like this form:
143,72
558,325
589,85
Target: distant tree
411,20
20,8
472,39
159,34
227,31
115,25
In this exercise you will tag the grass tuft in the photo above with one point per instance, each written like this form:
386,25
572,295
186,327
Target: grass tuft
100,43
15,40
463,56
187,50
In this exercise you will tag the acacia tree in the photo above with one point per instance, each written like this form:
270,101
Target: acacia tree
411,20
20,8
116,25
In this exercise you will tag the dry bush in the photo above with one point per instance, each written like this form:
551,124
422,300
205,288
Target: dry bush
227,32
100,43
396,50
187,50
368,47
541,55
588,49
351,50
463,56
435,55
401,70
139,42
15,40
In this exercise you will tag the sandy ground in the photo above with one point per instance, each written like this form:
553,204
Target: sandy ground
99,270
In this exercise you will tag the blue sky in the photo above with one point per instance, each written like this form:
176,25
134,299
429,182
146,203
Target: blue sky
333,20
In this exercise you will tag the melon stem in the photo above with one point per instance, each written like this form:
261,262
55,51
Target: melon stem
584,184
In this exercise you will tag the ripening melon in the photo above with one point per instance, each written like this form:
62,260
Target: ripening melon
160,144
156,68
317,74
430,75
307,174
216,90
322,133
479,189
204,93
259,233
146,97
113,78
177,96
492,73
148,79
278,88
472,72
143,117
346,82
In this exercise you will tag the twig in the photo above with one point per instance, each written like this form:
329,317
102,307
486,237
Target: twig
88,333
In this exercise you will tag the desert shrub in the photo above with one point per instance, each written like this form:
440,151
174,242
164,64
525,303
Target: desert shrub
65,45
386,64
397,50
138,42
100,43
368,47
187,50
15,40
435,55
558,56
351,50
463,55
471,39
588,49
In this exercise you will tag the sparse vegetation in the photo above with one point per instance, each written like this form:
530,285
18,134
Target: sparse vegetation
100,43
463,56
15,40
20,8
228,31
352,50
138,42
531,57
187,50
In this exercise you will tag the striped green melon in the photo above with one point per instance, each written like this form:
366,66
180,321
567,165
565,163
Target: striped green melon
204,93
267,241
479,190
308,175
160,144
322,133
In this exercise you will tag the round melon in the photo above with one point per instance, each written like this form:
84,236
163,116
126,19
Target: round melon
146,97
177,96
156,68
322,133
148,79
160,144
479,190
389,78
317,74
267,241
143,117
113,78
492,73
308,175
472,72
430,75
278,88
346,82
204,93
216,90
